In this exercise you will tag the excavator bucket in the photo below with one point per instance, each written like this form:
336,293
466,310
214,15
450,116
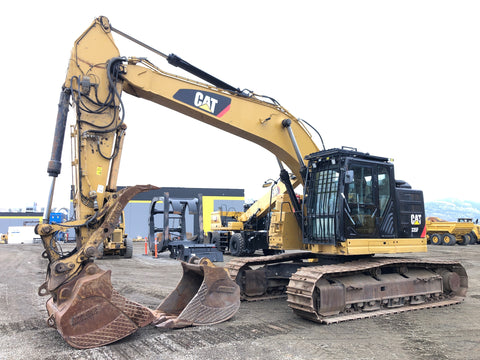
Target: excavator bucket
88,312
205,295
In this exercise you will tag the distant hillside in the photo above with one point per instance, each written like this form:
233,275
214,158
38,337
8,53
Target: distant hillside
452,209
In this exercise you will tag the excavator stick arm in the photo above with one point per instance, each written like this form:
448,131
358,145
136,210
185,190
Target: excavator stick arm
84,307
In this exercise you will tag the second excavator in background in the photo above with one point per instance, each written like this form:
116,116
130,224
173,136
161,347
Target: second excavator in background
243,232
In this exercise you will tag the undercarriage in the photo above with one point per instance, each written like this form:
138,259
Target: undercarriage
347,290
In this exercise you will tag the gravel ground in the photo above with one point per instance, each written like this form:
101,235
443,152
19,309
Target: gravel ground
260,330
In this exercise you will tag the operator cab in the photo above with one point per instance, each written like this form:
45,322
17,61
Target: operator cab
349,194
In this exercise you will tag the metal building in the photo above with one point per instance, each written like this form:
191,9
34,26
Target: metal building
137,211
18,218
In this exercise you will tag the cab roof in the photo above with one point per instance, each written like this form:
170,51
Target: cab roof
344,153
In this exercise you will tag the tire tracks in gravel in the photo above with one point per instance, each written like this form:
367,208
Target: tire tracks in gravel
149,343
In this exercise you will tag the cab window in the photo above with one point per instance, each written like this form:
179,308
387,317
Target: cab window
360,196
383,189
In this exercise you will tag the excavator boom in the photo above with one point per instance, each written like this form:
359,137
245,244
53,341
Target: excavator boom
250,117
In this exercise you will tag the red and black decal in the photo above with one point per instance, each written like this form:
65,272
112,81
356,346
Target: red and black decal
209,102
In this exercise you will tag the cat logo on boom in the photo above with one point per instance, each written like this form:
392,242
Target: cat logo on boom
209,102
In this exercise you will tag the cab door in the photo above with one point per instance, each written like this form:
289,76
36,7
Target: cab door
362,201
369,200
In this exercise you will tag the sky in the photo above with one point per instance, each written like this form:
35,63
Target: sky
399,79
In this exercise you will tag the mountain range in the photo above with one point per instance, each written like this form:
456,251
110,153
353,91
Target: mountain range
452,209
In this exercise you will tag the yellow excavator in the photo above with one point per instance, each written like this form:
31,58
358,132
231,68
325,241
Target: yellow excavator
351,208
243,232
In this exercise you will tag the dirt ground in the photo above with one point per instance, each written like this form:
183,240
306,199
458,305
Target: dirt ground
260,330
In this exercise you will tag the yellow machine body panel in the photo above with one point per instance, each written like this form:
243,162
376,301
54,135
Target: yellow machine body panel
216,220
372,247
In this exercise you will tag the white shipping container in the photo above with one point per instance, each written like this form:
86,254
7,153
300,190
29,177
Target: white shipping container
22,235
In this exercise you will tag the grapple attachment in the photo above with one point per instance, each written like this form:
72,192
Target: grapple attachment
88,312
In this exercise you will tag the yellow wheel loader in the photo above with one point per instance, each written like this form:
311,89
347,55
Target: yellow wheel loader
118,244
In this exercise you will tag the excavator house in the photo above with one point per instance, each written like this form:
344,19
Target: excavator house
351,208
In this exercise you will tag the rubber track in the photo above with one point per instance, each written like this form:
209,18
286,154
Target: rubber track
302,284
